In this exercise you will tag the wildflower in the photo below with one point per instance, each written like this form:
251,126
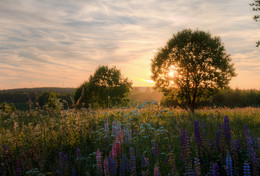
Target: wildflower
122,167
229,167
145,165
60,158
255,162
197,135
185,146
118,147
186,151
245,131
197,166
235,145
132,162
112,165
18,170
144,161
171,161
74,172
156,171
78,154
66,162
113,151
126,163
215,170
107,128
246,169
227,132
99,164
114,128
106,167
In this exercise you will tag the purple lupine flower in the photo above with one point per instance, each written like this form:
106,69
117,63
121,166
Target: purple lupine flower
197,132
74,172
203,136
132,162
185,152
256,142
118,126
245,131
255,162
153,148
126,163
249,146
4,148
122,167
222,145
229,166
156,171
106,167
236,145
227,132
1,172
218,138
18,170
112,167
197,166
107,128
66,162
127,136
246,169
78,153
185,146
114,128
215,170
197,135
60,158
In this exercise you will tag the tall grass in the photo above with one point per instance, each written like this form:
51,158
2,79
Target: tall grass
147,140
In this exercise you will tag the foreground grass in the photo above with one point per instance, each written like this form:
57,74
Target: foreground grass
141,141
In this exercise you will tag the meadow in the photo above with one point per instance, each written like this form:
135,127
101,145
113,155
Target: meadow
146,140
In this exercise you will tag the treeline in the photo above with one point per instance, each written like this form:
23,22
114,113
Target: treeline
226,98
24,99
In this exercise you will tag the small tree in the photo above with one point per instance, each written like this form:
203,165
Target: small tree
256,7
50,100
105,88
192,67
7,108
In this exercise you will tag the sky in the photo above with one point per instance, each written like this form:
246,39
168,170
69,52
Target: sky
60,43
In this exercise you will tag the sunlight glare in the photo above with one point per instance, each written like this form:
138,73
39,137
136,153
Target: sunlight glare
172,72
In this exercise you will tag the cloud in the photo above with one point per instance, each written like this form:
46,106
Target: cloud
50,41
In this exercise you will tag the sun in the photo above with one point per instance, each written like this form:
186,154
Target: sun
172,71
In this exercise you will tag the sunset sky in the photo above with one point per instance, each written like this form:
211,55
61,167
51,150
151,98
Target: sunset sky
59,43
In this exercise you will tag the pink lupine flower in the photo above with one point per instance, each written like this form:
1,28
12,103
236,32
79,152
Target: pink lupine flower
106,167
99,164
156,171
118,147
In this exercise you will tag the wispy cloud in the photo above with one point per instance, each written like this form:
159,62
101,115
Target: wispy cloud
49,42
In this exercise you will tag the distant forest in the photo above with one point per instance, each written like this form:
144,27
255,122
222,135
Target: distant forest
24,99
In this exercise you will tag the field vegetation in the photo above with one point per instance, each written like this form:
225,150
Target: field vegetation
146,140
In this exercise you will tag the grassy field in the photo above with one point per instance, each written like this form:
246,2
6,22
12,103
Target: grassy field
148,140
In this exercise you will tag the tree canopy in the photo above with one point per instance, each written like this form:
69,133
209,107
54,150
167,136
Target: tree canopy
105,88
256,7
192,67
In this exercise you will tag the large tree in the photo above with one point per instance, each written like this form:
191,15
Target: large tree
192,67
256,7
105,88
